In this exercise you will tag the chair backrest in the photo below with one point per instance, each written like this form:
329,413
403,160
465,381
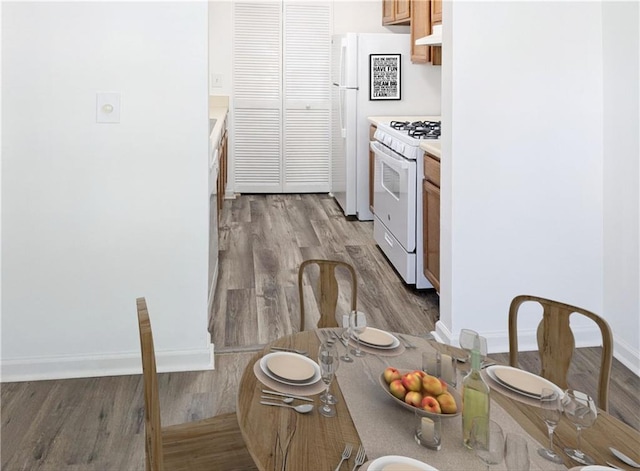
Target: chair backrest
327,290
152,426
556,342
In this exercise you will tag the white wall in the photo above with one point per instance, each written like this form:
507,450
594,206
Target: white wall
361,16
622,177
522,202
95,215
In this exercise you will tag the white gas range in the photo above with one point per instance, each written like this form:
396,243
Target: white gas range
397,197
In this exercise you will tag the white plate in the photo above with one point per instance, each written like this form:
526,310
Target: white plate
377,335
291,367
521,381
265,369
398,463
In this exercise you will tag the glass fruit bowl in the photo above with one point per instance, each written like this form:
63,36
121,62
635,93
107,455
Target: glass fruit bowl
444,404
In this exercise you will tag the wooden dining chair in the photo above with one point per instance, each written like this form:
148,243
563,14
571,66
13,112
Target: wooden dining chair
328,290
210,444
556,342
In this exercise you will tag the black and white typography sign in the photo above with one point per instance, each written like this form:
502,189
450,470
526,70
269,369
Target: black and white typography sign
384,76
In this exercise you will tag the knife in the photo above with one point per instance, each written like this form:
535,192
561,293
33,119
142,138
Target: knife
339,337
276,393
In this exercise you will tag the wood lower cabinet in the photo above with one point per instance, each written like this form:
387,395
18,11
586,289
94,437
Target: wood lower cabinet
396,12
372,163
431,220
222,171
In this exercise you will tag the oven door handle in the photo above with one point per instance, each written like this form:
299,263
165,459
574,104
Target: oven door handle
397,164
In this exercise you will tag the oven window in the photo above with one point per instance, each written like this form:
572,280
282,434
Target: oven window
391,180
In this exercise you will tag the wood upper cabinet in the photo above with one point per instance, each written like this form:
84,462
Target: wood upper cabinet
436,12
431,220
420,27
422,22
396,12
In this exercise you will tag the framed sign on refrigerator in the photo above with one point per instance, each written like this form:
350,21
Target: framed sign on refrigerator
384,76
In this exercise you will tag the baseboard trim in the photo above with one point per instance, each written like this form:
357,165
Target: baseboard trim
87,366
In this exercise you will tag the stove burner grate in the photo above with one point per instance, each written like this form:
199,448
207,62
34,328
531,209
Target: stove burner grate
418,129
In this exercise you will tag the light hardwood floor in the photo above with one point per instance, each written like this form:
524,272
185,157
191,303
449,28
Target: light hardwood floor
97,423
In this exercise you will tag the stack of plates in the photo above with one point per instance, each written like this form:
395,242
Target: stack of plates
520,381
376,338
290,368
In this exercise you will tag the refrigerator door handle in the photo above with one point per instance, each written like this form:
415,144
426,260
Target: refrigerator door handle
343,87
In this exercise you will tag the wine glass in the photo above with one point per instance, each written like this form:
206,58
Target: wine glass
347,330
328,359
487,439
516,453
357,324
551,408
581,411
470,339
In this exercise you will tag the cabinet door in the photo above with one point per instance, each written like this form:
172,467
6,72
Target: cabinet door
388,11
420,27
436,12
431,232
403,10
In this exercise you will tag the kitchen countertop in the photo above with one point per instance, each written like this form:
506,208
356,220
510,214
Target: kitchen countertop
431,146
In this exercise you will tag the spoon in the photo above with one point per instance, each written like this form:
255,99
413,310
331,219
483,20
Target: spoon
286,400
302,408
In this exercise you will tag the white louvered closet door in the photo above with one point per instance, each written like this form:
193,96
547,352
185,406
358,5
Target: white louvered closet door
281,89
257,97
307,48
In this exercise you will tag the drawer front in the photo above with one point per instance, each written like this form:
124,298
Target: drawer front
432,170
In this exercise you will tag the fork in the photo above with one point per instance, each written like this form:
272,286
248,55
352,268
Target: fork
346,453
293,350
359,458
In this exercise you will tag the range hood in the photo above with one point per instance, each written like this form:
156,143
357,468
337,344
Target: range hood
434,39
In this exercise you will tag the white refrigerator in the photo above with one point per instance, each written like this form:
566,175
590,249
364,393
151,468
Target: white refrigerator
420,86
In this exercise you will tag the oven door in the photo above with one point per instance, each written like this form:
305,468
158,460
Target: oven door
394,194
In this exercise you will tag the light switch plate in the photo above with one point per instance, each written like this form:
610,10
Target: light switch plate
108,107
216,80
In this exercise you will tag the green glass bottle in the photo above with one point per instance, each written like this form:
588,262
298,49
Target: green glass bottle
475,397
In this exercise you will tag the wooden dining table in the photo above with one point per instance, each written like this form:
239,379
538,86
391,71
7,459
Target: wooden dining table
281,439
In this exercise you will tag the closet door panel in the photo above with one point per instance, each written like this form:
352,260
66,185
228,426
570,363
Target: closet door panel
307,50
257,97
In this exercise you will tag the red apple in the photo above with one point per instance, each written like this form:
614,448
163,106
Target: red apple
430,404
391,374
397,389
412,382
413,398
